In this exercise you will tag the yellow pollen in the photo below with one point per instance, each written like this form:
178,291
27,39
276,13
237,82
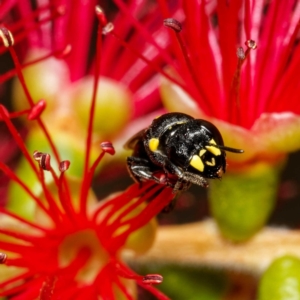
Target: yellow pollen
197,163
153,144
214,150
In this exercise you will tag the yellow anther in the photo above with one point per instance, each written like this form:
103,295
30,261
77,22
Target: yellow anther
153,144
197,163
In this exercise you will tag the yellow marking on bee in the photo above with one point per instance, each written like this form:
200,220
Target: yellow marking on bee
153,144
211,163
201,152
214,150
197,163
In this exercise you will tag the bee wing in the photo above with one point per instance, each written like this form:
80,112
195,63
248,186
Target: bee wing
130,144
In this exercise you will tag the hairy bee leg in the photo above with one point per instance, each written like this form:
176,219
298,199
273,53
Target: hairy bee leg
181,185
196,179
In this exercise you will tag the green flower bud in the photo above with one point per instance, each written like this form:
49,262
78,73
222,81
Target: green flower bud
242,202
281,281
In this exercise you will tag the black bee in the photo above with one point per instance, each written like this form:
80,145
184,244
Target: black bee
177,150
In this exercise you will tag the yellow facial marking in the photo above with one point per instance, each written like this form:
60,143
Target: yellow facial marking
211,163
197,163
213,149
201,152
153,144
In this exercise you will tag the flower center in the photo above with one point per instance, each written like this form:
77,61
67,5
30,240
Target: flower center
87,242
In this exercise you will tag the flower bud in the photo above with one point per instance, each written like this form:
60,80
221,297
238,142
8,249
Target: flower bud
281,281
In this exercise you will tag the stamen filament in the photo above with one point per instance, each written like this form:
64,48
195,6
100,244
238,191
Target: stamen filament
56,53
197,84
147,35
149,63
24,34
31,102
8,172
22,220
83,194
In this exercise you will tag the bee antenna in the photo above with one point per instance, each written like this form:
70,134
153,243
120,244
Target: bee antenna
229,149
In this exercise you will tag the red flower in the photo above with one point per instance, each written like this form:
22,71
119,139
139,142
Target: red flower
72,246
234,62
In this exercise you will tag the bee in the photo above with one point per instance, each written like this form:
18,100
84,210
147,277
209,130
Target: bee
178,150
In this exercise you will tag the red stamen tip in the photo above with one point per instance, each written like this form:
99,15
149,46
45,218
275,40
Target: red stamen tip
36,110
43,159
108,147
173,24
3,258
64,165
7,37
251,44
152,279
101,15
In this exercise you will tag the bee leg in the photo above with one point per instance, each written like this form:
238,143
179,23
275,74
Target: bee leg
181,185
196,179
140,169
168,208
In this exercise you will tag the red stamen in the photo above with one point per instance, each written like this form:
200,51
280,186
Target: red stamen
31,102
33,25
34,15
184,50
37,110
57,53
17,114
63,189
235,114
125,272
22,220
53,207
101,16
86,179
10,174
144,33
118,202
86,183
150,63
17,137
